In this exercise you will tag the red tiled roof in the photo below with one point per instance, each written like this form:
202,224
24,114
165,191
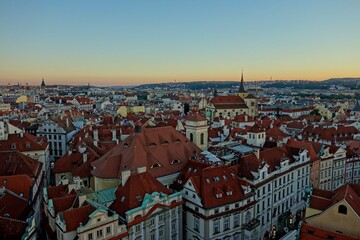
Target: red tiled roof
11,228
196,117
213,185
73,217
18,184
156,148
309,232
65,202
26,143
130,195
322,199
14,206
16,163
57,191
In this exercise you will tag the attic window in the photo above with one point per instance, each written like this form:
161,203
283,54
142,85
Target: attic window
21,194
138,198
165,142
123,199
155,165
175,161
126,145
177,140
207,180
13,146
152,145
216,179
224,177
27,145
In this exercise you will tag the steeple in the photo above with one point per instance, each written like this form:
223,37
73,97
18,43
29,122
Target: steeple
242,88
43,83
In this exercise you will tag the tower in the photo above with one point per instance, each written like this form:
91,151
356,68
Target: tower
197,130
242,92
43,83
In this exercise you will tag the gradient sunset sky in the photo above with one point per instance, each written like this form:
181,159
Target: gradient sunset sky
130,42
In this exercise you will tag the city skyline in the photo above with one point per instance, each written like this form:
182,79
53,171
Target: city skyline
130,43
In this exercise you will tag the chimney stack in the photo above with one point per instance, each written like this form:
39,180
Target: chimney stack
125,176
138,127
257,152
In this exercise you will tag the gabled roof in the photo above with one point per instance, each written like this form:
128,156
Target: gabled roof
162,150
130,195
16,163
14,206
12,228
26,143
217,186
19,184
323,200
73,217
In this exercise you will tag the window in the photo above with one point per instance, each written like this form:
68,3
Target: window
342,209
202,138
161,218
161,232
99,233
191,137
216,226
236,220
196,224
108,230
137,228
90,236
152,236
226,223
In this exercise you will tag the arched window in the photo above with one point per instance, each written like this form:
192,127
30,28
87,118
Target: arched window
202,138
191,137
342,209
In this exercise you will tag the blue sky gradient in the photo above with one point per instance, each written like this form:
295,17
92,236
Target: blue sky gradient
131,42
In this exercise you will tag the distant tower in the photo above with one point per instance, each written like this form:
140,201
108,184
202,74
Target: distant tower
215,92
242,93
43,83
197,130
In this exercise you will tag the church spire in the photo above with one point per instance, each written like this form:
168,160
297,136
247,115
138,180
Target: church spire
242,88
43,83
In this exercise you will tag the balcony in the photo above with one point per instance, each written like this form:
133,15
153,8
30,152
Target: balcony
252,224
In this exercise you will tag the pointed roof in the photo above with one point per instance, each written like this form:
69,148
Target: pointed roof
130,195
43,83
242,88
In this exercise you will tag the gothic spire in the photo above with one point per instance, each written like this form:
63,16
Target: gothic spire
242,88
43,83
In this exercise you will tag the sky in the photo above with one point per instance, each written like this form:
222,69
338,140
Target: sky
131,42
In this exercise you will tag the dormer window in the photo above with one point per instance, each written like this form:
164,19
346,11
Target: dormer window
175,161
27,145
156,165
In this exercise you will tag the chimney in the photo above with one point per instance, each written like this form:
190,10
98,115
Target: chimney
138,127
257,152
125,176
85,157
141,169
96,135
82,199
113,131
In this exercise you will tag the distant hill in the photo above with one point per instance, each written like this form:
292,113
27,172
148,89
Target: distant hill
352,83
